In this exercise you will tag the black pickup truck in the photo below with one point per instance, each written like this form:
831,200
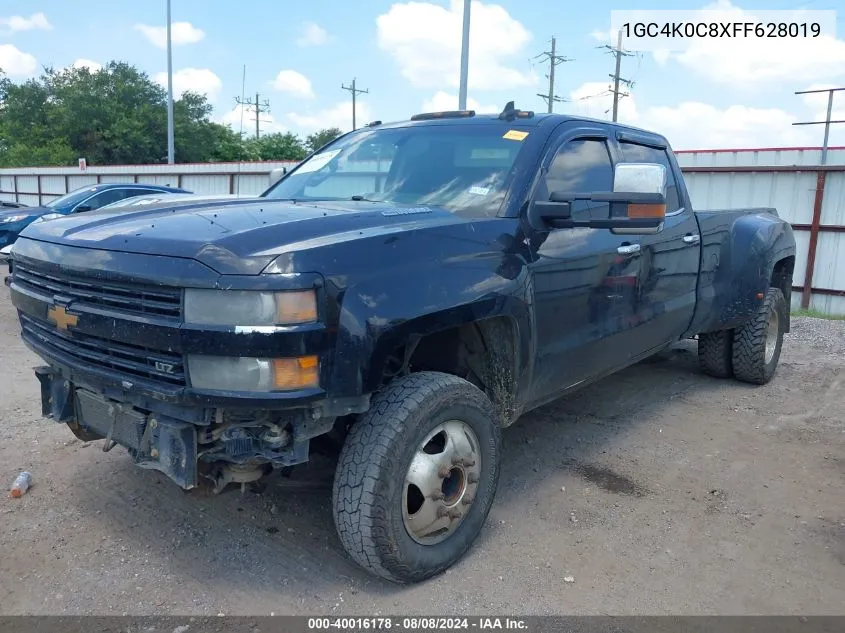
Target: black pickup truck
402,295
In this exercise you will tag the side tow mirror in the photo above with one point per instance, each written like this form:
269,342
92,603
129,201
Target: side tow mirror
637,204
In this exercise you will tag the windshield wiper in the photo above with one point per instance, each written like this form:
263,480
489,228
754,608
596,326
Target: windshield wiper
362,198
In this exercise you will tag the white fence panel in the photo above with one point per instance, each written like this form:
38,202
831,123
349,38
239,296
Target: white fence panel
205,184
792,194
75,182
769,157
249,185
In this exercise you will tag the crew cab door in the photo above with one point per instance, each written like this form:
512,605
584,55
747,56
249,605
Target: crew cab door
670,257
585,281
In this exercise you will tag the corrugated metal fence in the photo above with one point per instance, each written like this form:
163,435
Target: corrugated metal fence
811,197
37,185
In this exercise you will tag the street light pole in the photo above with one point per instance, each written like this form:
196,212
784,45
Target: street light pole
170,143
462,93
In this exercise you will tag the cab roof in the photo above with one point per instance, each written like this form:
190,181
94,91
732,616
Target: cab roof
510,116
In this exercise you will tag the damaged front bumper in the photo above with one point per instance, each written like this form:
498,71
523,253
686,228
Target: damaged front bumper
154,441
237,445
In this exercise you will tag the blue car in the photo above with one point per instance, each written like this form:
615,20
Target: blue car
13,221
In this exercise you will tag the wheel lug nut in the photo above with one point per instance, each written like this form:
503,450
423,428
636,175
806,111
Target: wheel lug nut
469,462
467,500
455,514
472,478
442,512
443,472
437,495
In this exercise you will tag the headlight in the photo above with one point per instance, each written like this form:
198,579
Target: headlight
249,307
14,218
223,373
47,216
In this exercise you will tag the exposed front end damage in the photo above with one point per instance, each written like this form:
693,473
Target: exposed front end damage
221,445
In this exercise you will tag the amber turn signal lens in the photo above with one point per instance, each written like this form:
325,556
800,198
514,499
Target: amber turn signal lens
296,373
646,211
296,307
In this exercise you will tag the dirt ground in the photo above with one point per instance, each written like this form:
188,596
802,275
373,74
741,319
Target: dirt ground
659,490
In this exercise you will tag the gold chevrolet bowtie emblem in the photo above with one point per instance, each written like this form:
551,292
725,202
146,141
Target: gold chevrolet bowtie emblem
60,316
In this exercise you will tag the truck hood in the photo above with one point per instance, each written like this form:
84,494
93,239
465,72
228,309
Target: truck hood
238,237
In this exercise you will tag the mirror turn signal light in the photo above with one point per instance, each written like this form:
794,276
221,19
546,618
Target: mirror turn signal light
645,211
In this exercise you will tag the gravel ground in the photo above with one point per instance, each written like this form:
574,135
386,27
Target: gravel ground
658,490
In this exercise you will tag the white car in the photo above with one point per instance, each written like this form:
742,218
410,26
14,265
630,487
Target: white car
5,253
140,201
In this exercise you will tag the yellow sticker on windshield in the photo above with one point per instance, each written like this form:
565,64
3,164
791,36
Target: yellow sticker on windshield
515,135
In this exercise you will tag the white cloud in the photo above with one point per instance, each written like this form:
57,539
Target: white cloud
19,23
15,62
424,40
817,104
312,35
90,65
180,33
243,118
751,61
732,127
339,116
595,100
443,101
697,125
200,80
294,83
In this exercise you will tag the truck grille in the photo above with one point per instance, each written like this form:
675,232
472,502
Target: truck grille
130,298
130,360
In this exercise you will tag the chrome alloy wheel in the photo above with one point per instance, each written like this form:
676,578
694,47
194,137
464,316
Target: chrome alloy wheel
772,330
441,482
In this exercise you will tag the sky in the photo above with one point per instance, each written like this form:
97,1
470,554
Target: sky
406,54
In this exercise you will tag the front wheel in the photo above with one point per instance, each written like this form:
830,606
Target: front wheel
417,476
757,344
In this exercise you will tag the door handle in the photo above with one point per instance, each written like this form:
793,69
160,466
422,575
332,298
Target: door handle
628,249
691,238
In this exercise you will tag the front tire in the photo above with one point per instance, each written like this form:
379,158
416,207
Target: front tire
715,351
757,344
417,476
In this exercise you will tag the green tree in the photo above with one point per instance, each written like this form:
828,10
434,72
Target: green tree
116,115
278,146
56,152
229,146
318,139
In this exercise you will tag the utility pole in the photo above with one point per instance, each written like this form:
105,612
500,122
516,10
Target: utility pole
462,90
355,92
827,120
258,107
171,151
617,79
554,60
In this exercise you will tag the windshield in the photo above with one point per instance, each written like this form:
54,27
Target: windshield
70,199
463,169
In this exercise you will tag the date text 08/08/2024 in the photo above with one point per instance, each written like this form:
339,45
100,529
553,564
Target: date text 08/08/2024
416,623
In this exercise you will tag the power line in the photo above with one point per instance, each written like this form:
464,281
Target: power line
259,107
827,120
554,60
355,92
618,53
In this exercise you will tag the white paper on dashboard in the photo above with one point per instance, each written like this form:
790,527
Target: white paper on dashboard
318,161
